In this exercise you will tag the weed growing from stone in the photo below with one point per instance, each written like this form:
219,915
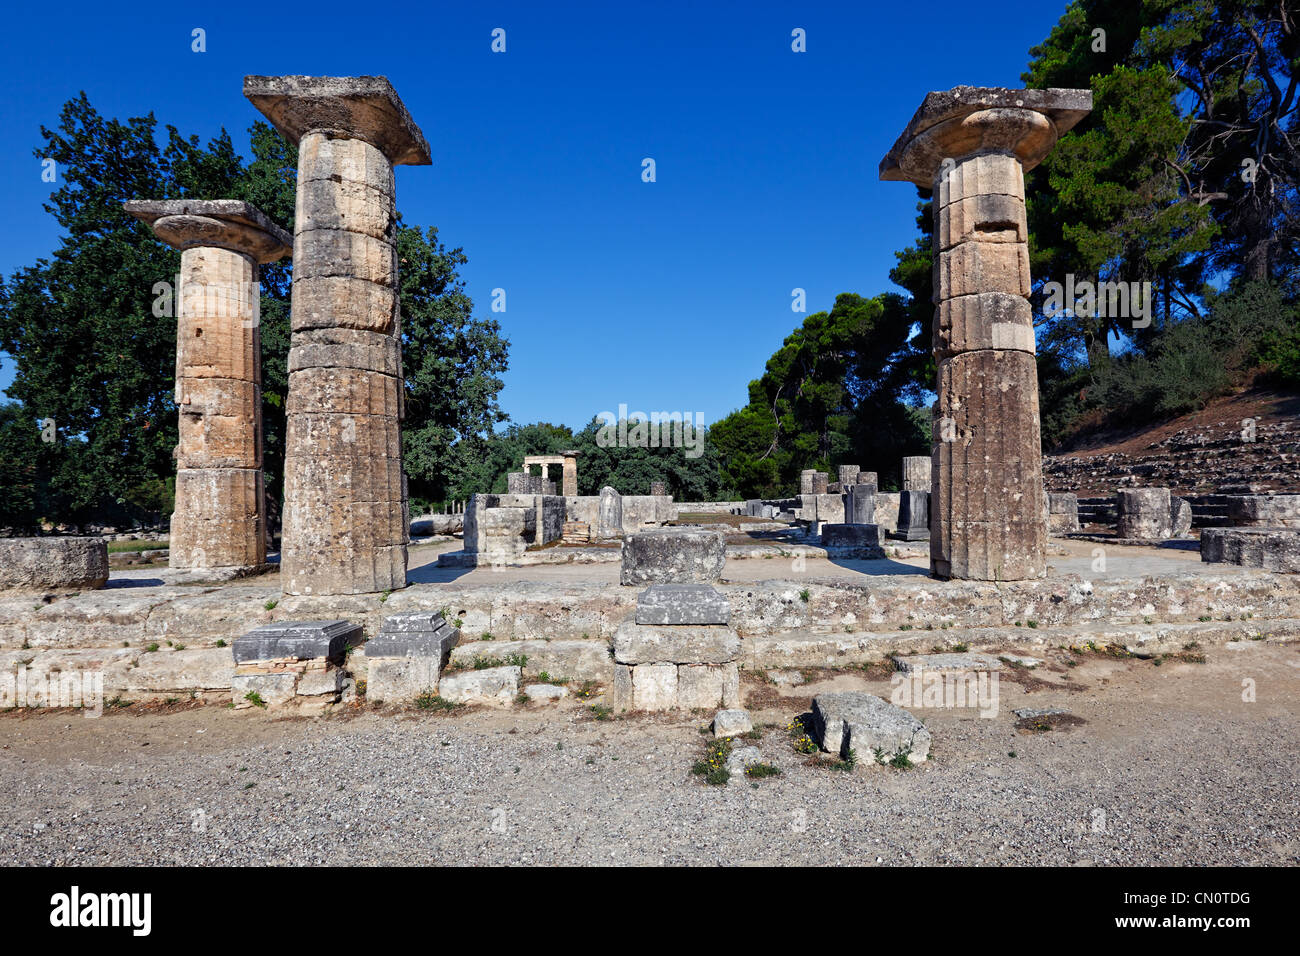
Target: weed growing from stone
254,698
270,605
757,771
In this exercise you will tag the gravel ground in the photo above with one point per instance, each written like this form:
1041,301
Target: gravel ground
1183,770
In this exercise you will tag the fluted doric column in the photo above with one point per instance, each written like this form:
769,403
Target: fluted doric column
345,512
972,146
219,523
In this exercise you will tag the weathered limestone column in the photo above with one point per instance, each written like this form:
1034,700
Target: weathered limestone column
345,527
569,479
220,519
971,146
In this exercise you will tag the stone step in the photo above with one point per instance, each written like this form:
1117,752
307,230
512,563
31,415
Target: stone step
573,659
806,649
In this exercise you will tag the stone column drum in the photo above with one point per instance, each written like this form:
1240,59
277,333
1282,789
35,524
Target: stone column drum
345,518
972,146
220,518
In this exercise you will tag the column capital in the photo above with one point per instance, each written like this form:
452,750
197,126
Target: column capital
358,107
224,223
970,120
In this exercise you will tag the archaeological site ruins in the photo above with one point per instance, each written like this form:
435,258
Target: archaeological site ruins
979,559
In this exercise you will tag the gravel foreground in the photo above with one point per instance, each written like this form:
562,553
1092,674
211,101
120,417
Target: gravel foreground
1170,767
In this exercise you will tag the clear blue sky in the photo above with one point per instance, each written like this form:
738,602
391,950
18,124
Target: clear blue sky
663,296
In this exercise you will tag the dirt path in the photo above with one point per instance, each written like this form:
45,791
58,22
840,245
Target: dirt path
1170,766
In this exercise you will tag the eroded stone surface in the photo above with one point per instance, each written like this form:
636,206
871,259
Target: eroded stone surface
296,639
53,563
682,604
731,723
673,556
494,686
1273,549
861,723
695,644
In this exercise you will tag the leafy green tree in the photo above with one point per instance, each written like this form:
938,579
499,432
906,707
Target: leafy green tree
90,353
836,391
452,363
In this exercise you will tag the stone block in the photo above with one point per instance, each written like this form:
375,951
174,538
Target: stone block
820,480
1062,513
863,723
848,475
980,267
1144,513
983,217
654,687
706,686
917,471
609,522
673,556
989,519
575,659
394,679
545,693
365,108
988,320
694,644
321,683
731,723
494,686
682,604
1273,549
53,563
273,690
951,663
300,640
861,539
1264,511
913,516
860,504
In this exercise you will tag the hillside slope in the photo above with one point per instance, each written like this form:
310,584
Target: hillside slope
1198,453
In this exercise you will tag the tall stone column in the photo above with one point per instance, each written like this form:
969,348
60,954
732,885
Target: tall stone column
569,474
345,520
219,523
972,146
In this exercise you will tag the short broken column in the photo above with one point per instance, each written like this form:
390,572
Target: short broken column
1151,514
345,517
569,473
219,521
972,146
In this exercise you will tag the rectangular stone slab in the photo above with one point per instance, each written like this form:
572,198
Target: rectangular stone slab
366,107
682,604
298,639
952,663
692,644
418,634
